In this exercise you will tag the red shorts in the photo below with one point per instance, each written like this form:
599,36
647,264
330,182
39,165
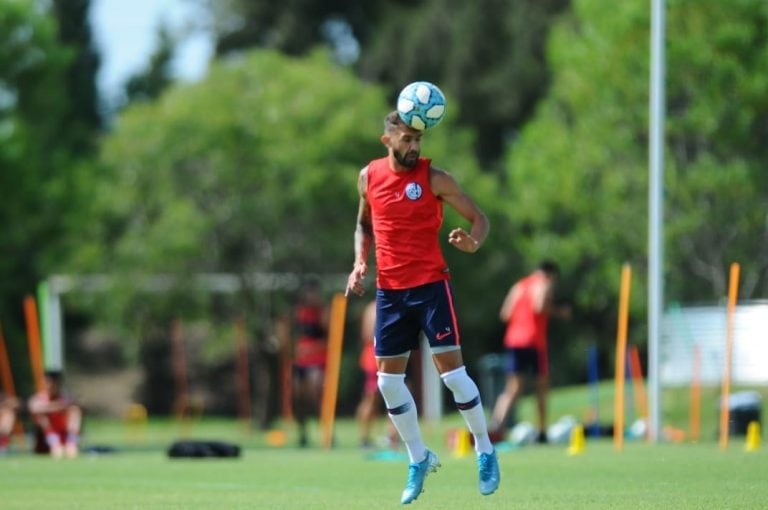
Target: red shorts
371,384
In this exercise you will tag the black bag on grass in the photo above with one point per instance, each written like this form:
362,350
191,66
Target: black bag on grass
203,449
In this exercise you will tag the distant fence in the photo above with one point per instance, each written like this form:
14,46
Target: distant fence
686,330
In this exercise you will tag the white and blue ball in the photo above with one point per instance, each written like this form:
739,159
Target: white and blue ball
421,105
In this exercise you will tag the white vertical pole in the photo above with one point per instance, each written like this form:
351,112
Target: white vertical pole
54,329
431,385
656,212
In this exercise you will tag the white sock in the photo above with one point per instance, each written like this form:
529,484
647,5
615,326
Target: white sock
467,398
402,411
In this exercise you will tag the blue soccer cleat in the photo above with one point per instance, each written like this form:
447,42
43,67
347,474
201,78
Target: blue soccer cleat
417,472
488,468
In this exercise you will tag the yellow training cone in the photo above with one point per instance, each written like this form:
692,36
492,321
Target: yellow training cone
463,446
753,437
578,443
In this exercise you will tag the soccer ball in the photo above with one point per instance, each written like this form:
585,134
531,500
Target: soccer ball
421,105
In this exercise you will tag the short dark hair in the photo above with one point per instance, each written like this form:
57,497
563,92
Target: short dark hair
393,122
54,375
550,267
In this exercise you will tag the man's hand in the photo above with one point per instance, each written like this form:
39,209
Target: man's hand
461,239
355,280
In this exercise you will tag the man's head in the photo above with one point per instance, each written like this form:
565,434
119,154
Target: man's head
402,141
550,268
310,291
53,382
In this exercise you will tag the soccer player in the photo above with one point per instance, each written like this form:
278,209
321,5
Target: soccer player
57,417
401,200
526,310
311,325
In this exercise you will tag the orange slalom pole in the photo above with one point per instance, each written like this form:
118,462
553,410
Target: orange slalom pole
243,373
638,382
695,413
733,292
179,364
33,340
621,358
6,376
332,368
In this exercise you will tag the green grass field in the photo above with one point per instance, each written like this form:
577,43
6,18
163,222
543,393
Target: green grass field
139,475
666,476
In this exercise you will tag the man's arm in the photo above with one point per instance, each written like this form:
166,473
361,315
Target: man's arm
445,186
509,303
40,406
363,237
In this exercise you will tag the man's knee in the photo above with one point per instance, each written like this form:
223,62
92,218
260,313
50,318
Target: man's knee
393,389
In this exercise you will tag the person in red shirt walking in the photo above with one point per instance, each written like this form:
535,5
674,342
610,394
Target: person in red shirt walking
401,211
526,310
310,352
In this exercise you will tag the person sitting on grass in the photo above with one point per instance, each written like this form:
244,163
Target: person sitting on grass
57,419
9,406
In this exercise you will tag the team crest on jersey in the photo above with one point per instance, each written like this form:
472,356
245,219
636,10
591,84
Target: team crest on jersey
413,190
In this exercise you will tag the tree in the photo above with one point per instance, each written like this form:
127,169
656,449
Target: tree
294,27
40,179
83,120
488,54
152,81
578,174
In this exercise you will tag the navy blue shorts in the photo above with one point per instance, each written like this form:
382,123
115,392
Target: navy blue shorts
525,361
402,314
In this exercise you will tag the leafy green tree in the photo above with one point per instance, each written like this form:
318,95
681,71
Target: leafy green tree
152,81
578,174
83,120
41,182
488,54
293,27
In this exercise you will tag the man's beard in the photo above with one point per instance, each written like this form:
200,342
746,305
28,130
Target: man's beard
408,160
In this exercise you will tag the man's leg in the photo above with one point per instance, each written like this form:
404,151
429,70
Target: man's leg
300,408
402,412
542,393
505,401
467,398
74,421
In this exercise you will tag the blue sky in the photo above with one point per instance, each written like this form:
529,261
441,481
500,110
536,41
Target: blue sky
126,34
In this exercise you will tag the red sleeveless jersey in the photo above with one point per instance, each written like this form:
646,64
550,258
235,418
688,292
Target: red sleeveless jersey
526,328
406,222
311,348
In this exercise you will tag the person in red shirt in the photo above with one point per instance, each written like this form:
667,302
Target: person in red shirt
401,211
310,352
526,310
57,418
